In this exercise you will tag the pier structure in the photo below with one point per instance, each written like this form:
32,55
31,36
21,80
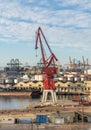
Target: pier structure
45,96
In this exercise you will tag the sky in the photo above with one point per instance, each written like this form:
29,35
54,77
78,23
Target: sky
66,25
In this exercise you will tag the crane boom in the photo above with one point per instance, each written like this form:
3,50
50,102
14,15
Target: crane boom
49,69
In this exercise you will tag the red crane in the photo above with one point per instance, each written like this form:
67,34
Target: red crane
49,63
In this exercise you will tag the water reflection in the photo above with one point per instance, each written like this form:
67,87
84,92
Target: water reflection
64,97
22,102
14,102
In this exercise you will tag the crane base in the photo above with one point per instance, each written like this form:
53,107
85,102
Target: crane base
45,96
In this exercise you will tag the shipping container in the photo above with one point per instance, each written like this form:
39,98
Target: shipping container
25,121
8,120
59,121
41,119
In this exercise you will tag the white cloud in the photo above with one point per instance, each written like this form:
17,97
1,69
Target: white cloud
81,3
30,1
59,26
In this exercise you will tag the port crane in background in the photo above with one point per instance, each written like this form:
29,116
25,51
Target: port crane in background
49,68
73,66
85,63
77,65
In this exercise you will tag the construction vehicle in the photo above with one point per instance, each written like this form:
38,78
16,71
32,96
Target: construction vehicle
49,67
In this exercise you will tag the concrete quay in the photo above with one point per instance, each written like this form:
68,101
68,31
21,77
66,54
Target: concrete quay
33,110
76,126
16,94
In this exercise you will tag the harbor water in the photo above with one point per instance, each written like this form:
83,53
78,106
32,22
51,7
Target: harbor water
9,103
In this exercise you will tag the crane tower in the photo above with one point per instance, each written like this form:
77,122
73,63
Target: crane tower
49,68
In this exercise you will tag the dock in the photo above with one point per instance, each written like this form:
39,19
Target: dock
33,110
65,108
76,126
16,94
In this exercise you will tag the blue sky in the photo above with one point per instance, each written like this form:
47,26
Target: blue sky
66,25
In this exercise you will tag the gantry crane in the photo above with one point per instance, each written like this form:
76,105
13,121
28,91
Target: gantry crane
72,65
49,68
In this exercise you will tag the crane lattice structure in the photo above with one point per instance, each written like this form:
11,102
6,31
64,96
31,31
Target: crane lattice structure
49,68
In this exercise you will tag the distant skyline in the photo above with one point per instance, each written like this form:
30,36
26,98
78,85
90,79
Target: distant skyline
66,25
